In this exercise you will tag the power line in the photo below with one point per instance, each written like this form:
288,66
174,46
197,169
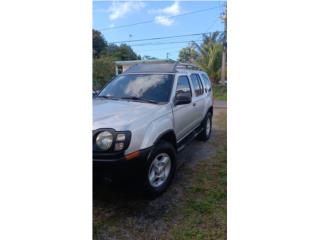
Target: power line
215,22
152,20
158,38
161,43
160,49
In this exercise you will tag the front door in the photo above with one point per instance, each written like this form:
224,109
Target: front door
185,116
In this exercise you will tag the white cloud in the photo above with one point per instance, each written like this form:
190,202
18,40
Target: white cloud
164,20
174,9
120,9
165,13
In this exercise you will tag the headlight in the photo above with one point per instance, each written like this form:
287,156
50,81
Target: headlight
109,140
104,140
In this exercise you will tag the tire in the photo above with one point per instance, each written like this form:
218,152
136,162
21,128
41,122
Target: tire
160,153
207,128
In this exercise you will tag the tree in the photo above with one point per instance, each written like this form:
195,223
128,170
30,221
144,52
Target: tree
125,52
103,71
98,43
210,54
188,55
104,55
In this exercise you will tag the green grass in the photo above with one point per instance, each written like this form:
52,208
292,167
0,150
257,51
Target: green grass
220,92
205,210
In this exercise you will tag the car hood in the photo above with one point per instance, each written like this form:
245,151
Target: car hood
122,114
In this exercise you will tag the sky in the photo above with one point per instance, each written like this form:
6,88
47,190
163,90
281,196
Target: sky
108,16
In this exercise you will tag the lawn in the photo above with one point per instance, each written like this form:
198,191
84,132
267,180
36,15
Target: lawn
204,210
220,92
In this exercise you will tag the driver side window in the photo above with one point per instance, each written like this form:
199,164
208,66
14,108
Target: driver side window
183,85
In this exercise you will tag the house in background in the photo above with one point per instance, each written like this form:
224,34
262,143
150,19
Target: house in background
122,66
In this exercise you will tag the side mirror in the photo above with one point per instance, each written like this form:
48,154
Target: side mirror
182,98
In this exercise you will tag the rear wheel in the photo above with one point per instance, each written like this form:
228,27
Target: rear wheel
160,169
207,127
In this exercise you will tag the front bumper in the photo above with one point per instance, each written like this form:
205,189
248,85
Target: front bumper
118,166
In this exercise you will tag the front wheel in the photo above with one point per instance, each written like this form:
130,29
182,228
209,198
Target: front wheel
160,169
207,127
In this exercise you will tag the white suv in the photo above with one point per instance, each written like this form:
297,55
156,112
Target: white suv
144,116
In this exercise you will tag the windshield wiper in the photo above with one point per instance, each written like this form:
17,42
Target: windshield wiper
139,99
108,97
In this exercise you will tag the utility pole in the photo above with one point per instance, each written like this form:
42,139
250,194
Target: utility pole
224,51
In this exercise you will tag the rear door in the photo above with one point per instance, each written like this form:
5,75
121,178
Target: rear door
208,89
185,116
198,97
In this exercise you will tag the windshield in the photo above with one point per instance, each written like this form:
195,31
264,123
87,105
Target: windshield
145,87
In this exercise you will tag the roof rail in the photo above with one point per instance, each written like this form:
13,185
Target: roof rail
186,66
160,67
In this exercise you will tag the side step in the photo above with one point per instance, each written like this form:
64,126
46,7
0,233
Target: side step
188,139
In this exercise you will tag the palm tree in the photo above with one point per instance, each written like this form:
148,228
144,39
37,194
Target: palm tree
210,53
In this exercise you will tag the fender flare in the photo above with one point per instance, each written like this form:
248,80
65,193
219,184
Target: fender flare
168,131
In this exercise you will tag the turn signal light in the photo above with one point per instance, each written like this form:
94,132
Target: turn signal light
132,155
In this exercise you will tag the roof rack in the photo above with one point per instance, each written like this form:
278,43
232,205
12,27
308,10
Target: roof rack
160,67
186,66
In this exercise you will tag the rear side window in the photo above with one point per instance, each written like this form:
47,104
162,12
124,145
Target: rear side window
206,81
183,85
198,87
